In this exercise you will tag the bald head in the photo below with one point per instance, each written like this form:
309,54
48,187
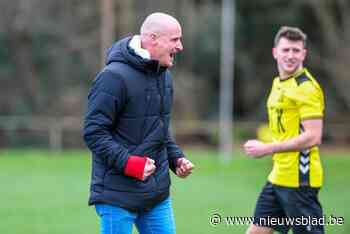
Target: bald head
156,23
161,35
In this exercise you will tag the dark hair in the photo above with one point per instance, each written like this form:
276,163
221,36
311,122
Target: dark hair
290,33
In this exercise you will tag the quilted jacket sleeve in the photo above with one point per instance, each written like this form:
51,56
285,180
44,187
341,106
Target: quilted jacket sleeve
107,97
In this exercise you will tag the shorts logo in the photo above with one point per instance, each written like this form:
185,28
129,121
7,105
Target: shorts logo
308,228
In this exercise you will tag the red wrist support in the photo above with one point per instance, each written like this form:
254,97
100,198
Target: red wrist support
135,166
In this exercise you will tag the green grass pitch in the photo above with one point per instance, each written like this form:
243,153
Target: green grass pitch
46,193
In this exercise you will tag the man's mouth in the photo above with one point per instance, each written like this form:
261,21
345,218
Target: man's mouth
290,64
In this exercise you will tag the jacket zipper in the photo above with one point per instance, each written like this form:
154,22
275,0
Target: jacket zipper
161,93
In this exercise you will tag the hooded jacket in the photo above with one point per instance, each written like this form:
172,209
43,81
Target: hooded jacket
128,113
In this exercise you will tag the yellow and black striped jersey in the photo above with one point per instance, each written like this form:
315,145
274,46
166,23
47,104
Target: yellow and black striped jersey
290,102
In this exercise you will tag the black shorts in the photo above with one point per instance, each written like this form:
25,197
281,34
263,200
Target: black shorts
283,208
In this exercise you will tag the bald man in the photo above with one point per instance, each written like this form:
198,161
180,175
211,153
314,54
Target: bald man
126,127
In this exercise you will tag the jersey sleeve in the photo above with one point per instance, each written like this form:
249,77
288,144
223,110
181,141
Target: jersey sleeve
310,101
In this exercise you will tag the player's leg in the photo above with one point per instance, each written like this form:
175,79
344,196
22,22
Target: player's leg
115,220
254,229
303,203
267,212
159,220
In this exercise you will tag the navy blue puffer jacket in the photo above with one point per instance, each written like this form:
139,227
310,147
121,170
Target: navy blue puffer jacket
129,107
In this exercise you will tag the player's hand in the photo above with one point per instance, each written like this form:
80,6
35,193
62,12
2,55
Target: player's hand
257,149
184,167
150,168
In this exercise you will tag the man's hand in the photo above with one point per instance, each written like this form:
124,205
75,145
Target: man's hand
257,149
149,168
139,167
184,167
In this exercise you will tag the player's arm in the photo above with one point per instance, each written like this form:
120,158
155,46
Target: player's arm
311,136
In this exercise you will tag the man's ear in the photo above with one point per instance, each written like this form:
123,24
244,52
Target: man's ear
305,53
274,51
153,37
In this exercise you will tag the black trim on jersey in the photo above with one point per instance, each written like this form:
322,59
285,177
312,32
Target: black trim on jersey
304,168
304,164
301,79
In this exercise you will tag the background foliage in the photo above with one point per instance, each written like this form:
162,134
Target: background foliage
50,52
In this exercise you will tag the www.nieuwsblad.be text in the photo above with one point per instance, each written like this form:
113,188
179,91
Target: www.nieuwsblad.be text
217,219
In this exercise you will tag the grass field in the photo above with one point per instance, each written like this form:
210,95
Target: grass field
45,193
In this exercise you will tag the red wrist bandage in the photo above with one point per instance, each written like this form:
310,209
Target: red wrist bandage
135,166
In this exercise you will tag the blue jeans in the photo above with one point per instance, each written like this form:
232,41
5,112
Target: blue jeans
116,220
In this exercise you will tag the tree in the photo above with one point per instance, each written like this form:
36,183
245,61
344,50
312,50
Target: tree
334,56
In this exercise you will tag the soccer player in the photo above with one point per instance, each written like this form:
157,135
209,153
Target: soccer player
295,109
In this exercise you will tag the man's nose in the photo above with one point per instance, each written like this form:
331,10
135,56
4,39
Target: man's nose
179,46
290,54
